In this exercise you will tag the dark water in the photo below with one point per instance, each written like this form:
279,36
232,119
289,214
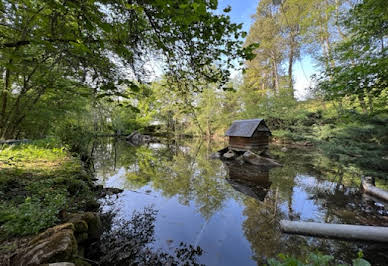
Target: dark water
230,211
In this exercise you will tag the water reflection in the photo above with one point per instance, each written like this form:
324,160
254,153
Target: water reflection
248,179
232,211
127,242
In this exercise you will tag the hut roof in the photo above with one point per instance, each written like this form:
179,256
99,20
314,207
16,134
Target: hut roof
246,128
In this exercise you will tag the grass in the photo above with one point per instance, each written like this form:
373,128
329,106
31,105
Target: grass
38,181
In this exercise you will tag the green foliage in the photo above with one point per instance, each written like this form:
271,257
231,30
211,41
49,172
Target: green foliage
360,261
361,142
37,181
56,54
31,216
361,58
313,259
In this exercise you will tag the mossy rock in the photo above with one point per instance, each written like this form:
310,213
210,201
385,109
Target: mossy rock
53,245
94,225
81,226
92,220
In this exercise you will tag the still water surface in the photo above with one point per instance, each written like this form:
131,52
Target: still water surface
231,211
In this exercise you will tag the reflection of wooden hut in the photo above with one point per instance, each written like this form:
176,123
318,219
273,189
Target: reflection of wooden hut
250,180
251,134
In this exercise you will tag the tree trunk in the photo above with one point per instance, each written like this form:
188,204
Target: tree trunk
4,100
362,103
370,102
275,76
291,63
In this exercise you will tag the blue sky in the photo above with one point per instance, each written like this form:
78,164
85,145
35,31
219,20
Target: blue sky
242,11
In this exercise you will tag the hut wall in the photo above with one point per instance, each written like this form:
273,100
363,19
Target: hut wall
259,141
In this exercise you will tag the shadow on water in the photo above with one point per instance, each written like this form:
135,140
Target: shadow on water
127,242
229,210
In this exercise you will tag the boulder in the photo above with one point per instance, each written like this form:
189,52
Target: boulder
229,155
55,244
88,222
218,154
92,205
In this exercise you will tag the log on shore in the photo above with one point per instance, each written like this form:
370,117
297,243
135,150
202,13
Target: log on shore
341,231
14,141
368,187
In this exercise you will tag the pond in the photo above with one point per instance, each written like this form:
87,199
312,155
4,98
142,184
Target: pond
198,210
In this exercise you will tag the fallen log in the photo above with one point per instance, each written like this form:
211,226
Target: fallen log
14,141
368,186
342,231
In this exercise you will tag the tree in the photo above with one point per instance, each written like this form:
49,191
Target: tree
105,45
361,59
264,71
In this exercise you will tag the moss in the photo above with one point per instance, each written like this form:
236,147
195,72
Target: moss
94,224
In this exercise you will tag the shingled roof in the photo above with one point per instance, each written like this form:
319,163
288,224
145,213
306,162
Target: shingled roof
246,128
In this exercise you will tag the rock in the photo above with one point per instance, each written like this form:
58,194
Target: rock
92,205
215,155
307,143
82,237
112,190
60,243
94,225
368,180
55,244
265,153
284,149
137,139
229,155
80,226
98,187
218,154
87,222
255,159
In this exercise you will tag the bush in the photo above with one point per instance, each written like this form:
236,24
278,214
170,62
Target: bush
313,259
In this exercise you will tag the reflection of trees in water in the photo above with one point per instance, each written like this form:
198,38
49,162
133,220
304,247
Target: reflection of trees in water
267,241
128,243
335,201
184,171
176,170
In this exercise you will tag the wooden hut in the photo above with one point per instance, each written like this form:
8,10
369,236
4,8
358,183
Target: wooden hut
250,134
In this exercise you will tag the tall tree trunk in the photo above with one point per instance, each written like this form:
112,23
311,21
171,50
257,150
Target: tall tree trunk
370,102
327,36
275,76
362,102
291,63
4,100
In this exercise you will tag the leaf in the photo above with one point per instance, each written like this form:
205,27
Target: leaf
227,9
360,262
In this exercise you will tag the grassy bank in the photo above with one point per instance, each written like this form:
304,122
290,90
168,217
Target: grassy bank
39,182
